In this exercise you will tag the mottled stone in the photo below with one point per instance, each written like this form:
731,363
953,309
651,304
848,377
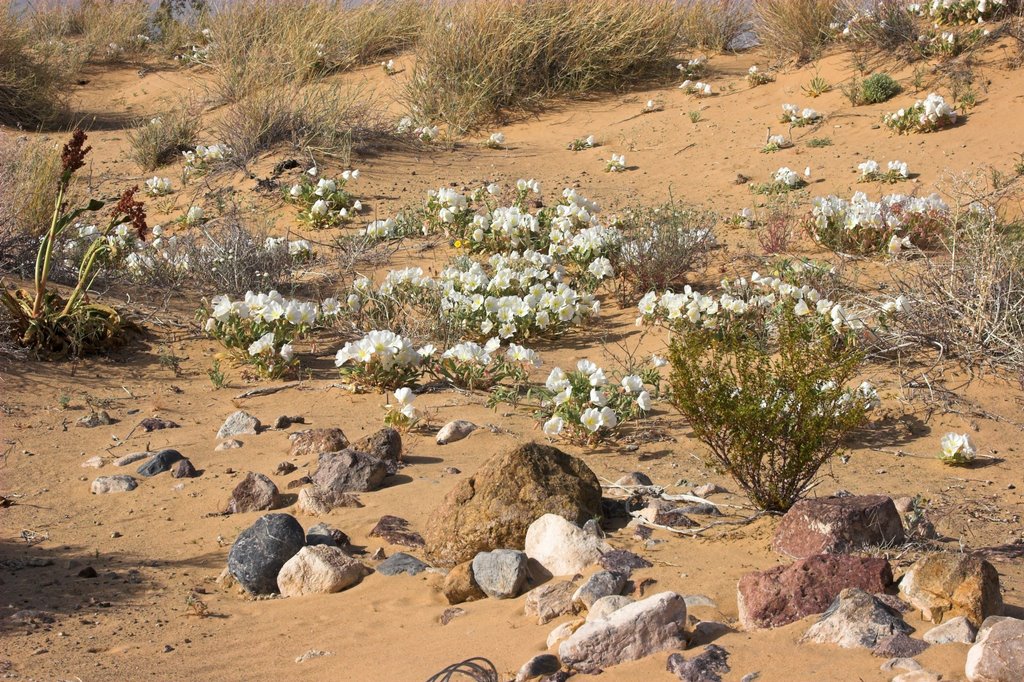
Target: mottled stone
396,531
255,492
947,585
114,484
315,442
834,525
259,552
238,423
549,601
856,619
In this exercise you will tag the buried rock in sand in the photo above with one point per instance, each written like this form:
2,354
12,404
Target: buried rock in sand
319,569
856,619
561,547
237,424
947,585
255,492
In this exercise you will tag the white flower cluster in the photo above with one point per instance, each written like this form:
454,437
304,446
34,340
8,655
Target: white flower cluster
389,67
616,164
384,347
957,449
887,215
895,171
694,68
588,405
325,202
157,186
199,160
495,141
787,177
299,249
931,113
121,243
960,11
426,133
774,143
757,77
798,117
581,143
696,88
268,307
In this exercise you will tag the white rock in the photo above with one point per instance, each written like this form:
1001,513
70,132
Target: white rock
229,444
238,423
93,463
562,547
455,431
957,629
917,676
114,484
998,653
319,569
633,632
562,633
606,606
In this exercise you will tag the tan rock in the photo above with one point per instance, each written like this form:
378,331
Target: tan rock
948,585
319,569
459,585
314,442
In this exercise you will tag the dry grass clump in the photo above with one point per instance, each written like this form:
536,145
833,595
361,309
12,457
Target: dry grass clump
323,121
476,60
267,43
29,172
715,24
103,31
884,25
160,140
796,28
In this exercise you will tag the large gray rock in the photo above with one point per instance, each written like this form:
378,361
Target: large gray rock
385,445
238,423
833,525
856,619
601,584
561,547
947,585
259,551
349,471
256,492
319,569
399,563
998,654
493,508
119,483
633,632
500,573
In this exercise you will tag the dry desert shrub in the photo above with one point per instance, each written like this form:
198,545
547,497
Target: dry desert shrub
29,170
477,60
161,140
715,24
266,43
888,26
796,28
103,31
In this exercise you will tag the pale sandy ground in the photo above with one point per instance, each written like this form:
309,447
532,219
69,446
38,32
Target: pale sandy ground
115,627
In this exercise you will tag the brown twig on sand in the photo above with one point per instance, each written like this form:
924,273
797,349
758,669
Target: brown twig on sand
267,390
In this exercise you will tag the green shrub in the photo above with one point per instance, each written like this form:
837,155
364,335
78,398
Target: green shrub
878,87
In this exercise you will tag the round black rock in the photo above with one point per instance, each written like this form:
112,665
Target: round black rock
262,549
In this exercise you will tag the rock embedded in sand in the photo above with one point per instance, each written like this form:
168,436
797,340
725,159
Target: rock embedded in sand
632,632
259,551
634,479
150,424
958,630
455,431
601,584
93,463
399,563
256,492
561,547
945,585
623,561
541,664
549,601
396,531
665,513
833,525
160,462
785,594
899,645
319,569
229,444
385,445
94,419
316,501
322,534
119,483
132,458
315,442
707,666
606,606
998,653
349,471
184,469
284,468
918,676
856,619
500,573
238,423
563,632
459,585
493,508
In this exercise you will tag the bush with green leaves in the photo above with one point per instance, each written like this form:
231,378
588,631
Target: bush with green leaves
769,394
877,88
324,203
471,366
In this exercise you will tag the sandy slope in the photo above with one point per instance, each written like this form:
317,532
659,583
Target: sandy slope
115,627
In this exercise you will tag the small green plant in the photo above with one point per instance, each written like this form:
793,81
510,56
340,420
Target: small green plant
64,400
918,79
816,142
817,87
695,116
1018,167
216,375
402,414
877,88
168,360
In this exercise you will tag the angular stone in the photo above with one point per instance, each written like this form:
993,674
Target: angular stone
856,619
119,483
385,445
899,645
93,463
493,508
946,585
785,594
549,601
349,471
563,632
541,664
561,547
623,561
834,525
259,551
708,489
284,468
256,492
601,584
396,531
459,585
998,654
399,563
322,534
633,632
500,573
159,463
316,501
184,469
94,419
606,606
238,423
707,666
315,442
455,431
957,630
664,513
319,569
450,614
634,479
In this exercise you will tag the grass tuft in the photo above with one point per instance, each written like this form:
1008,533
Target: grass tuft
796,28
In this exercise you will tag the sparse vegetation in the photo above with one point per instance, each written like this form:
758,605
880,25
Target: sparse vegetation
34,78
162,139
876,88
796,28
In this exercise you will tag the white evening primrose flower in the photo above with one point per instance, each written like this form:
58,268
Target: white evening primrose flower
554,426
319,208
598,397
404,396
295,191
586,367
658,361
608,418
194,215
265,342
632,383
287,352
643,401
590,418
801,309
597,378
957,449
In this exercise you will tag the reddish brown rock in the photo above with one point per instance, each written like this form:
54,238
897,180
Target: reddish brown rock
314,442
385,445
833,525
459,585
396,531
784,594
256,492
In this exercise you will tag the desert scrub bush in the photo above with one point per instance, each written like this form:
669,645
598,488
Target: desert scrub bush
862,226
35,77
59,326
925,116
477,60
964,11
585,405
762,373
714,24
661,245
115,30
796,28
885,25
29,170
163,139
322,121
875,89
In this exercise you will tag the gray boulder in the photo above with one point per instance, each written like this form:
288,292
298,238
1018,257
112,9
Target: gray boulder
501,573
259,551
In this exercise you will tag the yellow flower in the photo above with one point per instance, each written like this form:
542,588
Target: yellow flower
458,243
